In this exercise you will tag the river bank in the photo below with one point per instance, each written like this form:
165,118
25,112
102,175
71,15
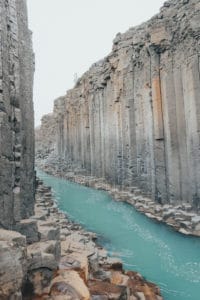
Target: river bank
85,271
56,259
83,265
182,218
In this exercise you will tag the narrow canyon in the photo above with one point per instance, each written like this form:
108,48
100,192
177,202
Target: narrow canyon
133,117
129,126
132,120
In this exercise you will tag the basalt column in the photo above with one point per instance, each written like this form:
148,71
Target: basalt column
16,115
134,117
160,178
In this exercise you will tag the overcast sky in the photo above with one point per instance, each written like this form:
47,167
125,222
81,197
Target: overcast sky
70,35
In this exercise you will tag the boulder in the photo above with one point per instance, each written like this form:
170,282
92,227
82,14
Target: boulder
169,213
75,261
197,227
94,261
38,282
28,228
40,213
141,289
48,230
119,278
102,275
43,255
77,243
12,264
111,291
69,283
113,263
196,220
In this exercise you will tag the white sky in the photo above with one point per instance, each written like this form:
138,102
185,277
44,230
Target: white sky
70,35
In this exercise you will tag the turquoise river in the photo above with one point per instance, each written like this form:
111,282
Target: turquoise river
161,255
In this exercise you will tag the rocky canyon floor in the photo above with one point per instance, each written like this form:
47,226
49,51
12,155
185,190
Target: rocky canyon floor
85,271
130,127
161,254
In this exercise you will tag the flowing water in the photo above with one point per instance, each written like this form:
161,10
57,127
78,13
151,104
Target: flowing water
163,256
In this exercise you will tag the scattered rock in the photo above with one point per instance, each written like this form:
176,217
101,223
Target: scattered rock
48,230
75,261
29,228
43,255
83,271
106,289
69,279
113,263
13,264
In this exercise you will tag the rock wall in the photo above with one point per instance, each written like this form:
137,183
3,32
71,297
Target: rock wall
16,115
45,137
134,117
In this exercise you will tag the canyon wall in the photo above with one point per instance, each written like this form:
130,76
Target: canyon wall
45,137
16,115
134,117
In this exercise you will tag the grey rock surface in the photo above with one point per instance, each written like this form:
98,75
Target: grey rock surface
133,118
17,175
45,136
13,265
43,255
16,115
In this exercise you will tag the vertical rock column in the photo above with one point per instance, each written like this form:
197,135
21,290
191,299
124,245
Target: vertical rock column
16,115
191,92
159,141
141,105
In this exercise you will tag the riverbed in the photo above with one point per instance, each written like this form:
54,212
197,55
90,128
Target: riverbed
160,254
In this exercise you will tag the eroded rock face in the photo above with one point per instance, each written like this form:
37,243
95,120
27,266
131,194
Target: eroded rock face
13,265
45,137
133,118
16,115
16,147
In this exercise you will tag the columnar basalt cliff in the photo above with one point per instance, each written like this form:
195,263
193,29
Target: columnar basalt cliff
17,176
133,118
39,247
45,137
16,115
